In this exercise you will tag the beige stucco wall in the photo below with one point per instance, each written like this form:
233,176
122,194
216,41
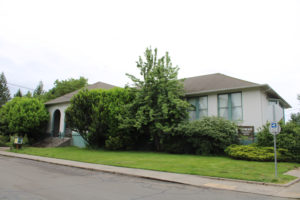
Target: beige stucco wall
267,110
51,109
252,108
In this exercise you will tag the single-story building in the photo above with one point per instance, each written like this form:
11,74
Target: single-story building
249,104
57,125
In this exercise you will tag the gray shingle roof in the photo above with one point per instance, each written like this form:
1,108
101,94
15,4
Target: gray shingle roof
214,82
67,97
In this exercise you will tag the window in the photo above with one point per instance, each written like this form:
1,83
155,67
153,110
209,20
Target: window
230,106
199,107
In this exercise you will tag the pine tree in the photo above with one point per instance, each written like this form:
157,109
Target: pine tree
39,90
28,94
18,94
4,91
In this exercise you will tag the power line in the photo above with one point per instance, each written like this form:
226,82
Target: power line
20,86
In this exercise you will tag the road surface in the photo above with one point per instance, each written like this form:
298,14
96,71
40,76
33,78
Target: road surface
32,180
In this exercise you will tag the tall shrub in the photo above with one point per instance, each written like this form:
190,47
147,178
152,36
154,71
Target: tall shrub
288,138
95,114
24,116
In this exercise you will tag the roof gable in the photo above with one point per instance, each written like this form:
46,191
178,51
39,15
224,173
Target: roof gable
67,97
214,82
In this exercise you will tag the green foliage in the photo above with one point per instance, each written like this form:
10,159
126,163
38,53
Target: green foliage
24,116
4,91
61,87
96,114
295,118
114,143
18,93
288,138
210,135
39,90
4,139
256,153
28,94
264,137
158,105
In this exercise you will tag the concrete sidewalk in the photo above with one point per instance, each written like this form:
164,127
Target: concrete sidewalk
291,190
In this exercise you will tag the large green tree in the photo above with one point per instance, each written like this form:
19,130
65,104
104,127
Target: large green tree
4,91
63,87
18,93
39,90
24,116
158,105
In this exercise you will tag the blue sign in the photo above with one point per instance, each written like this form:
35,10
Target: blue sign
274,125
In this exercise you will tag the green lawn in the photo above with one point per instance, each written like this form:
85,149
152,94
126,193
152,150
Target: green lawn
186,164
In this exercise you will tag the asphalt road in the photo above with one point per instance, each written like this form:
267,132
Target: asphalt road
26,179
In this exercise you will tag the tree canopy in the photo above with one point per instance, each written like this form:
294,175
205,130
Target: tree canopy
4,91
39,90
158,105
95,114
24,116
61,87
18,93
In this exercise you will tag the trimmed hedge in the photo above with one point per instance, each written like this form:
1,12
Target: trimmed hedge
255,153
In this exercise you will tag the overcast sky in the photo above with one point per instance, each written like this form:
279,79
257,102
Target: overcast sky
258,41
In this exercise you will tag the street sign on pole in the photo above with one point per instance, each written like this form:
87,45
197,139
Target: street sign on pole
274,129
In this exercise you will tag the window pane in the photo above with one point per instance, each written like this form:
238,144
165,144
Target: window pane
192,115
223,112
193,102
223,100
236,99
203,113
203,102
237,113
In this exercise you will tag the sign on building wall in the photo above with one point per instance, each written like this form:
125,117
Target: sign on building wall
246,133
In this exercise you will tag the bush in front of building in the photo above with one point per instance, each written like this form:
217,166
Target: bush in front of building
95,114
24,116
256,153
209,135
288,138
4,139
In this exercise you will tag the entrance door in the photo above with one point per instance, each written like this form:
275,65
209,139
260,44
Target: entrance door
56,124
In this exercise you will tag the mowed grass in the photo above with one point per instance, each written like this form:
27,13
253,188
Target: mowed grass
186,164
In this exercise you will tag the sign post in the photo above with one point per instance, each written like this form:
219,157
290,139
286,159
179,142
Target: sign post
274,129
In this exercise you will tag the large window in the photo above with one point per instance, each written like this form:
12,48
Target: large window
230,106
199,107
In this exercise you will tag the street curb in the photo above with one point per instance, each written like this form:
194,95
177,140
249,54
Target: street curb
19,155
56,161
253,182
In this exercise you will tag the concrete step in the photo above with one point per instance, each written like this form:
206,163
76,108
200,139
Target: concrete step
54,142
